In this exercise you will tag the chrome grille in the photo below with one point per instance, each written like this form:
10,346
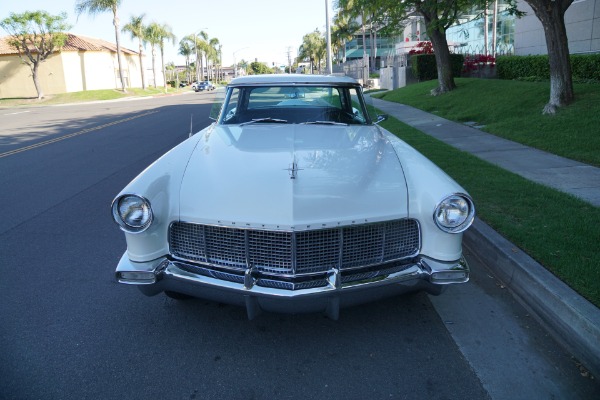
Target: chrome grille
317,251
269,251
295,253
226,247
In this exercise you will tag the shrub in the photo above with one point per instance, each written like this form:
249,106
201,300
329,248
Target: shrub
584,67
514,67
424,67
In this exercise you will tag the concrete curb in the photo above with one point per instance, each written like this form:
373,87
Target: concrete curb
572,320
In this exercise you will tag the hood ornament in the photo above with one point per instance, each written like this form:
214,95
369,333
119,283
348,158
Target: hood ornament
293,170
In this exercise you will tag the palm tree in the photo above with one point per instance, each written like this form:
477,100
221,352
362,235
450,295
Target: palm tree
94,7
200,45
358,9
313,48
343,30
137,30
186,50
165,33
211,55
220,68
153,37
170,66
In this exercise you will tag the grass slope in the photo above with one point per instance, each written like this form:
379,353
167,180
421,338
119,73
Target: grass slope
512,110
558,230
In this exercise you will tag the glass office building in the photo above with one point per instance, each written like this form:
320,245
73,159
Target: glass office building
468,37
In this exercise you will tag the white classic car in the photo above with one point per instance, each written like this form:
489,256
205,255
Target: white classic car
294,200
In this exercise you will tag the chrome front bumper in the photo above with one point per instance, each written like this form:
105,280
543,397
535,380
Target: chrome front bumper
165,275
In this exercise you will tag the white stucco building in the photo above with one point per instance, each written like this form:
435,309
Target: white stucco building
82,64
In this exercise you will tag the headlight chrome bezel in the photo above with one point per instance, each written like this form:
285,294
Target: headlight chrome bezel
449,203
120,217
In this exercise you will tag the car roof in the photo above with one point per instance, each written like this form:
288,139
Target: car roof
290,79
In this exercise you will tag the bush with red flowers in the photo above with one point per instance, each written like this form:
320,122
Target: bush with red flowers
473,62
422,48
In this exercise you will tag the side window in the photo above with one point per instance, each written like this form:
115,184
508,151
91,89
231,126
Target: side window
333,97
357,108
230,109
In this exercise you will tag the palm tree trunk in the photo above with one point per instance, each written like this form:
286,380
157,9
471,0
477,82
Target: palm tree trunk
162,60
374,50
118,40
142,66
365,55
154,64
197,63
187,67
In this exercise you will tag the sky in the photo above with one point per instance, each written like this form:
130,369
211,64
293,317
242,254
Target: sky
252,29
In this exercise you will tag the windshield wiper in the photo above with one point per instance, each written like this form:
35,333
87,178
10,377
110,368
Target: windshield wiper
274,120
324,123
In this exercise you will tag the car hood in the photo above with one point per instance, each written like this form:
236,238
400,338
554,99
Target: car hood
283,176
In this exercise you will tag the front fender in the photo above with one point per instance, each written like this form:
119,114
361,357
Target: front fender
427,185
160,184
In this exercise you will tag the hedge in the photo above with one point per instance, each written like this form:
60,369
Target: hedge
583,66
424,67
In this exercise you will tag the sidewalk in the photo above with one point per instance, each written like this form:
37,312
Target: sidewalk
570,318
578,179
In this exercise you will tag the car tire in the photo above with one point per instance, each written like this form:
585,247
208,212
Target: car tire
437,290
177,295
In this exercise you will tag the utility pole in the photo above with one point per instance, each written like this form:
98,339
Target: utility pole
495,19
234,63
289,55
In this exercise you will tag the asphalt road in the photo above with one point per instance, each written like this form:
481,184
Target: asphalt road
69,331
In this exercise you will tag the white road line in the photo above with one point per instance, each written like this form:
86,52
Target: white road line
20,112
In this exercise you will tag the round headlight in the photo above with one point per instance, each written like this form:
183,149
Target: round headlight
132,213
455,213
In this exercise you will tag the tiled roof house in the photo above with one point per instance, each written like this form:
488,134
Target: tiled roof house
82,64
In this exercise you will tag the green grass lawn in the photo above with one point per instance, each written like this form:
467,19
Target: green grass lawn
512,110
88,95
560,231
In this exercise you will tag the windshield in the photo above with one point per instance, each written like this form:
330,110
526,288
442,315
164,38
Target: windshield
328,105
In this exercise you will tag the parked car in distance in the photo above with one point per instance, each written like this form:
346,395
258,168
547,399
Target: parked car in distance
204,85
183,83
294,200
